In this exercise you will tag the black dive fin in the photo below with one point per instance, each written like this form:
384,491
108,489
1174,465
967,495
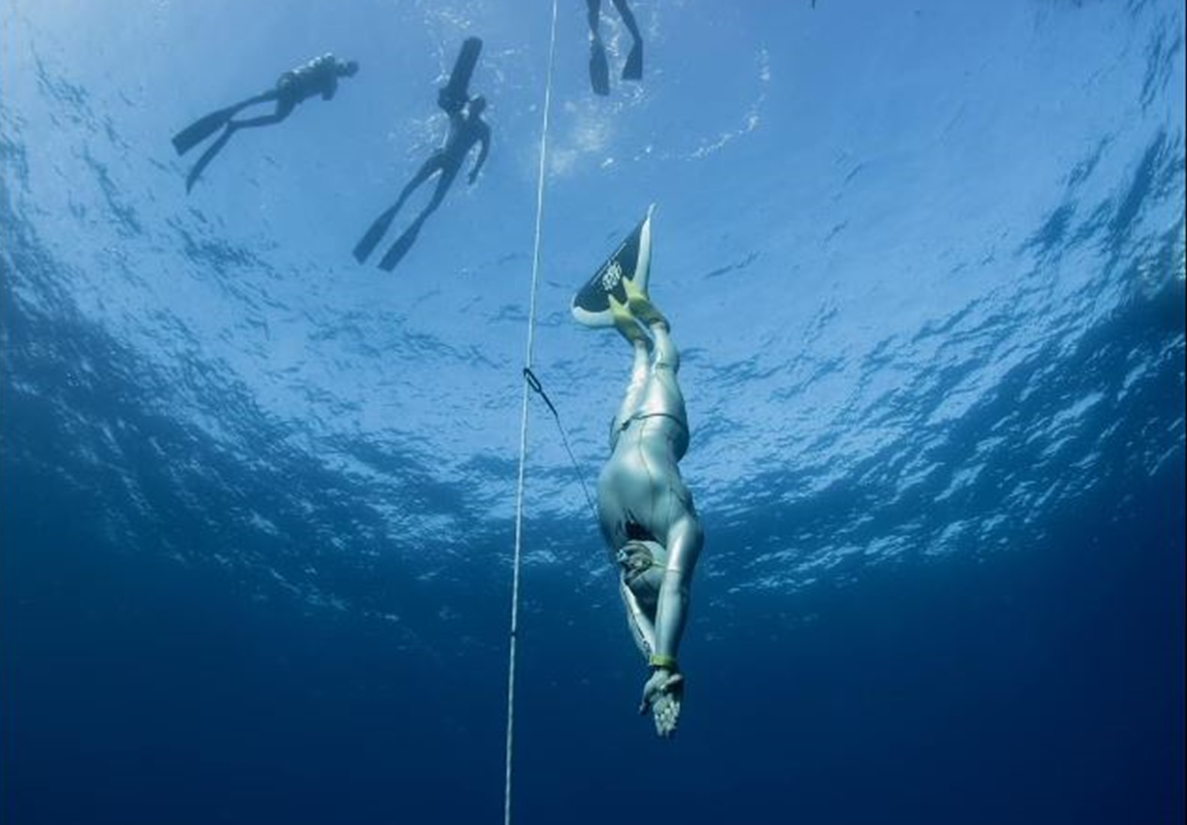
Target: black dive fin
599,69
366,246
399,249
456,92
633,70
630,261
200,129
207,156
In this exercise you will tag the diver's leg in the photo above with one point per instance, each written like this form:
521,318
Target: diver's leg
204,127
621,484
640,372
667,355
640,308
262,120
263,97
448,174
662,393
379,227
434,164
404,243
283,109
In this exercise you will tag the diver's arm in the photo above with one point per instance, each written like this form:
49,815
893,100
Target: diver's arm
671,613
663,693
642,626
484,138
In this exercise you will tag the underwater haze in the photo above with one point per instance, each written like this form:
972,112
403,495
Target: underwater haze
925,263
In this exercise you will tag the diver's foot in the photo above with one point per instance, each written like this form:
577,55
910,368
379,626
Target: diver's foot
640,305
625,322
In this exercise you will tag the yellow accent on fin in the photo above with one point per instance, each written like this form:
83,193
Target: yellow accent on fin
624,321
640,304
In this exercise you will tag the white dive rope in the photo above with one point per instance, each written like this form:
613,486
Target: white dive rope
523,432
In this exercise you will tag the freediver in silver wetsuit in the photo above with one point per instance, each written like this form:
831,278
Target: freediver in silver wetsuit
645,510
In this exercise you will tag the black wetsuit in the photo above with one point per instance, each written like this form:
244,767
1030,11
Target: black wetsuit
317,77
466,129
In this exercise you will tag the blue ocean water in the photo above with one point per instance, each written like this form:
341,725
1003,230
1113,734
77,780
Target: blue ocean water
926,265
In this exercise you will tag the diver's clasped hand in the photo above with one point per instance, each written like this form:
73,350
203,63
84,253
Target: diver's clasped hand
662,695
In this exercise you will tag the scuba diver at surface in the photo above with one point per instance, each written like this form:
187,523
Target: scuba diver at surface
599,68
645,510
318,76
466,130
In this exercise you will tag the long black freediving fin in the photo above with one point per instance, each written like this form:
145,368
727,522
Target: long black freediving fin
456,92
399,249
631,261
633,70
204,161
375,233
599,69
202,128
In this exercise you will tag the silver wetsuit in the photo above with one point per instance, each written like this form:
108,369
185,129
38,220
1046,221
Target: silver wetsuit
646,512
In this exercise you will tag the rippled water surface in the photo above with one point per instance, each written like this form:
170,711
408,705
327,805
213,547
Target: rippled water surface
925,262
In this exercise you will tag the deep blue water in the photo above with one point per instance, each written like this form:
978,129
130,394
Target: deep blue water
925,261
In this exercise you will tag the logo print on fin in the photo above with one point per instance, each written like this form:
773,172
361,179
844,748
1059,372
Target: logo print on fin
612,276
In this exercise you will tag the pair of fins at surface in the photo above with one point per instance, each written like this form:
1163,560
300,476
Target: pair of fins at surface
599,67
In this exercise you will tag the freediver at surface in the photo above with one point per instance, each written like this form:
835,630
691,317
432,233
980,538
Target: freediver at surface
599,68
466,129
645,510
317,77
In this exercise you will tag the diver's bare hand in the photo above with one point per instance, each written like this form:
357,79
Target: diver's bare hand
662,695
